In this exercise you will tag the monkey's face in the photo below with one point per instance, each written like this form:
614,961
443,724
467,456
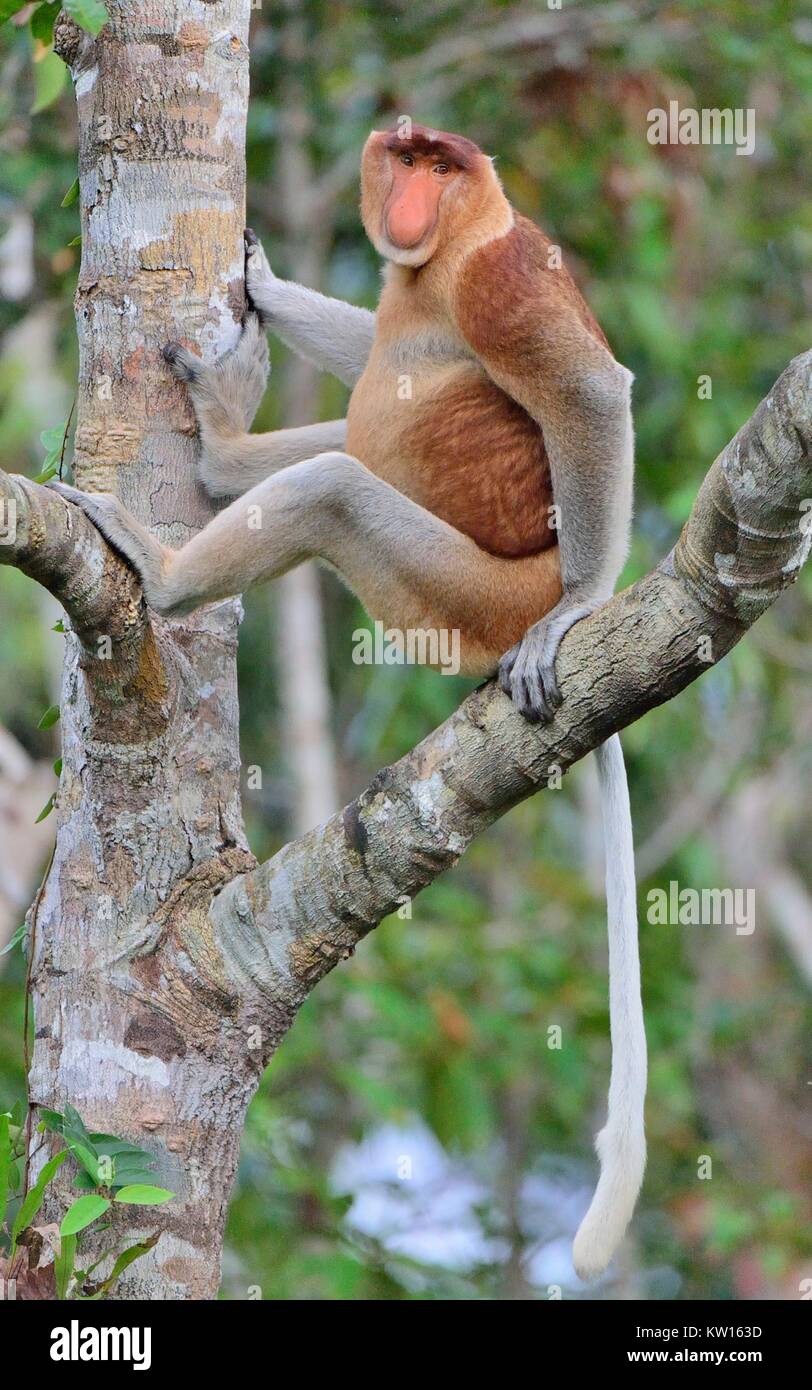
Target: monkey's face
414,190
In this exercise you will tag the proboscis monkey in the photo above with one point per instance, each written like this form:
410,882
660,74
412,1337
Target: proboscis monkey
482,481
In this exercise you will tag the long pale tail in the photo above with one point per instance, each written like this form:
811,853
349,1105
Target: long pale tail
621,1144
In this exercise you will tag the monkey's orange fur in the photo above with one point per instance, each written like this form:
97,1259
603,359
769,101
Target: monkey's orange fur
429,418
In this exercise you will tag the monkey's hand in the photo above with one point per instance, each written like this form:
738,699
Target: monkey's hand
147,556
527,671
226,393
260,282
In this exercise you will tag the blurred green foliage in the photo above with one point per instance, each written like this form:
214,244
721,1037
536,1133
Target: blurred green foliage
697,263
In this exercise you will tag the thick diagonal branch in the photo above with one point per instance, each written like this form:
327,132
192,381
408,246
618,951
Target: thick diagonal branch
285,924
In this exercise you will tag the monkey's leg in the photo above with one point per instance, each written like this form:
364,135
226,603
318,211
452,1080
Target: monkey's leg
225,395
406,565
336,337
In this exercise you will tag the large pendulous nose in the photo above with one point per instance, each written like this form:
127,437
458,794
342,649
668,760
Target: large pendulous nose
412,211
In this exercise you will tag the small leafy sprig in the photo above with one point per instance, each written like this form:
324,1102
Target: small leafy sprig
109,1172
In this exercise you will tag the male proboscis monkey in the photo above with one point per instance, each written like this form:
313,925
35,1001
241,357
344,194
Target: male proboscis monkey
482,481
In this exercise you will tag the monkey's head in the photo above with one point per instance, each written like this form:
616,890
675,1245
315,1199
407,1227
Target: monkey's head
421,188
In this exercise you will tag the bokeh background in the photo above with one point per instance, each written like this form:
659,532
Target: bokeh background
417,1137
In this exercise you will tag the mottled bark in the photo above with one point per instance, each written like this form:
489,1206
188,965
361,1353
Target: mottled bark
167,967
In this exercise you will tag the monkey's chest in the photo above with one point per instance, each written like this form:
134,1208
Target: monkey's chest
455,443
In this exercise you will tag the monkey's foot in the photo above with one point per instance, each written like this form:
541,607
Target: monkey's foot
126,535
527,671
259,278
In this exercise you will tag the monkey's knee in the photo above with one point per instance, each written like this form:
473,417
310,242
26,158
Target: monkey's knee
326,489
336,477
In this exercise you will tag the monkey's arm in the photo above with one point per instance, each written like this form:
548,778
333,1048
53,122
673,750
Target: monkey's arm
565,378
226,395
334,336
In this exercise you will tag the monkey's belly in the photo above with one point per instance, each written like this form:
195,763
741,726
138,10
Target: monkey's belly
465,451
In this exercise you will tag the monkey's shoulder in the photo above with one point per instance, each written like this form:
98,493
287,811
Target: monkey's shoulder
513,285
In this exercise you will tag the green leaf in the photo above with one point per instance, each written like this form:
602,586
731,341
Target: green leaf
90,14
141,1195
51,438
74,1121
81,1212
63,1265
132,1174
46,810
74,1132
132,1165
58,627
83,1182
126,1258
84,1157
109,1144
49,471
42,23
8,8
76,241
17,939
72,195
49,718
58,767
5,1165
50,76
50,1119
33,1201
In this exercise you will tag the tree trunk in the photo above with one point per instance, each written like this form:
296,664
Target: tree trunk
136,1023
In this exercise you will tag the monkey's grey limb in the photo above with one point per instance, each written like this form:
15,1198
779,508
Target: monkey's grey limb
404,563
527,671
233,386
232,467
590,443
225,396
334,336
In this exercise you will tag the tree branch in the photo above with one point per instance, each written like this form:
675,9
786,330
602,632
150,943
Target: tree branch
284,925
56,545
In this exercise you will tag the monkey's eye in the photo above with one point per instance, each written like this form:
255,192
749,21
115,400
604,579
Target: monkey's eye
406,159
441,169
